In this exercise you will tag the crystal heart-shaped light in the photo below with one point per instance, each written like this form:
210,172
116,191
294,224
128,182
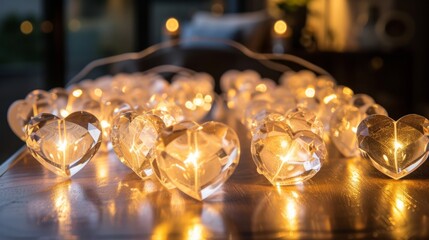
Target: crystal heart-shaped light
343,126
194,94
396,148
285,157
21,111
134,137
64,145
197,159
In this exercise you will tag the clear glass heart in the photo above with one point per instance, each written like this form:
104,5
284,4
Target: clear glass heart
344,123
64,145
197,159
134,137
21,111
396,148
285,157
194,94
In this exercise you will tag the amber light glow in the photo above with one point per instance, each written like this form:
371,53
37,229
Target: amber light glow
26,27
280,27
172,25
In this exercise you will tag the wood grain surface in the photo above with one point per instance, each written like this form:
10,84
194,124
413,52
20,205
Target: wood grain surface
347,199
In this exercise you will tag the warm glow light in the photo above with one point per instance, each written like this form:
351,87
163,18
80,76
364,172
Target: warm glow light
291,212
348,91
64,113
98,92
208,98
329,98
280,27
26,27
172,25
192,158
104,124
397,145
61,145
310,92
77,93
261,87
196,231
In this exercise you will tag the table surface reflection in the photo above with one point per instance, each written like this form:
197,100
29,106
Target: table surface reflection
348,198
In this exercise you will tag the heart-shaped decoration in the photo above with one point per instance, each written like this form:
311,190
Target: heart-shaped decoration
344,123
64,145
396,148
286,157
197,159
21,111
134,138
194,94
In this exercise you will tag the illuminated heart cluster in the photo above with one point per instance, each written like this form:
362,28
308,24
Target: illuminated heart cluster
134,110
152,127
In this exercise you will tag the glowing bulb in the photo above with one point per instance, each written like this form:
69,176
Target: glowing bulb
104,124
397,145
62,145
98,92
193,158
172,25
64,113
310,92
26,27
280,27
329,98
77,93
261,87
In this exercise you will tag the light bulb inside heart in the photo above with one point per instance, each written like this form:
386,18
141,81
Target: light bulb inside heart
64,145
134,137
197,159
285,157
396,148
21,111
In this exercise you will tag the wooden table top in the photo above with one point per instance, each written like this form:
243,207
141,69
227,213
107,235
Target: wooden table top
348,198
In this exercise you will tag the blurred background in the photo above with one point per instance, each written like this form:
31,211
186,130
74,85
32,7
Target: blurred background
378,47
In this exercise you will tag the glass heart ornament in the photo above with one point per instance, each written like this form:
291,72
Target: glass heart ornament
134,137
64,145
395,148
21,111
197,159
344,123
284,156
194,93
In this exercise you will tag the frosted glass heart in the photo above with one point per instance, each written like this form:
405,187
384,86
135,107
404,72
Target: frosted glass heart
344,123
64,145
134,137
197,159
285,157
21,111
396,148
